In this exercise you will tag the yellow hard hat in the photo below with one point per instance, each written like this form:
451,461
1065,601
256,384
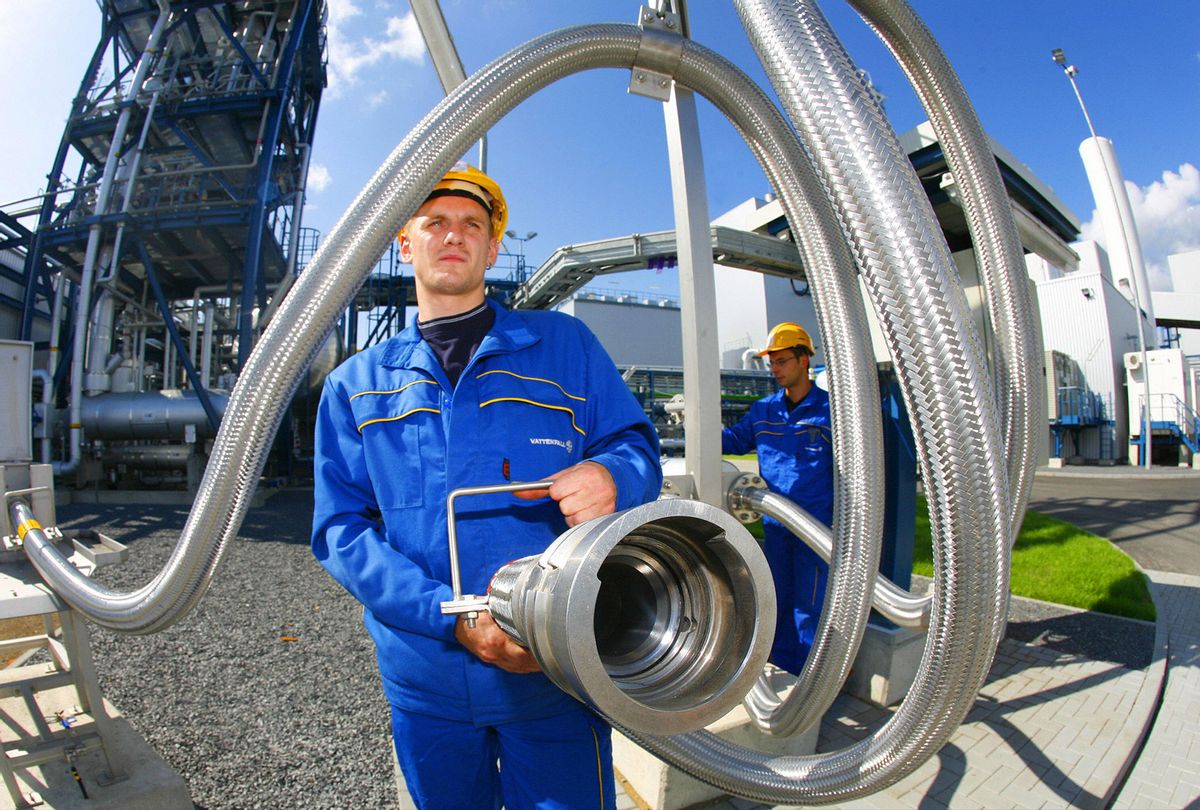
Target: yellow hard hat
787,335
467,181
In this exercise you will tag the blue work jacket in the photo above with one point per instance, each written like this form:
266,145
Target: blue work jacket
393,438
795,454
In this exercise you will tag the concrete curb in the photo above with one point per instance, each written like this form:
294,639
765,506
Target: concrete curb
1121,758
1121,472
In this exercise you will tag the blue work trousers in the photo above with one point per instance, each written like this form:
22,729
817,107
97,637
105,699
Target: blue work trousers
562,762
800,577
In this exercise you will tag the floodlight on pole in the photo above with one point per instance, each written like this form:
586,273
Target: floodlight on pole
521,240
1071,71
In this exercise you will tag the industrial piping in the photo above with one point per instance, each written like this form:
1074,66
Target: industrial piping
893,602
87,280
1018,339
969,497
785,718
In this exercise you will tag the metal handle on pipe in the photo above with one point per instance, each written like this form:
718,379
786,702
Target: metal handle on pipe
472,605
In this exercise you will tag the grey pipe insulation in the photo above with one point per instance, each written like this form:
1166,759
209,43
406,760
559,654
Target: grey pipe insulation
940,364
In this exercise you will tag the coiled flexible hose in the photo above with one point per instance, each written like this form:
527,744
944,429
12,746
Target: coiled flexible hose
939,362
887,219
893,602
1018,360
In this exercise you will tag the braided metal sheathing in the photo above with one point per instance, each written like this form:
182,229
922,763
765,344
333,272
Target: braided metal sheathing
937,354
941,367
1018,344
854,398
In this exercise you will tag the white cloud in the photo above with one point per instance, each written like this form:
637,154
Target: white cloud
1167,213
376,99
319,178
350,54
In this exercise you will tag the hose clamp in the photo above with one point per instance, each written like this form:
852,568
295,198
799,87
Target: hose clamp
657,59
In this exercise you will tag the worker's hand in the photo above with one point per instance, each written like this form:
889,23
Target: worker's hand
583,492
492,645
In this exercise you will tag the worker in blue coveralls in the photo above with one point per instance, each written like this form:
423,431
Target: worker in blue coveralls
473,395
791,432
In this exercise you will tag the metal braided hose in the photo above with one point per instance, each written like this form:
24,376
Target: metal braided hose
927,322
893,602
854,390
803,58
1018,346
1018,359
940,364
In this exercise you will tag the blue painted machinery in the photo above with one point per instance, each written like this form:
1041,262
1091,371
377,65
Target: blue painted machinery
172,213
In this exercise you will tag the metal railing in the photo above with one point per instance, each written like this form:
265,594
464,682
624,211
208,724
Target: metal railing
1169,411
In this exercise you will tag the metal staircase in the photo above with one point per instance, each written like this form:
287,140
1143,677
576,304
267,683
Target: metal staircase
1184,427
1172,422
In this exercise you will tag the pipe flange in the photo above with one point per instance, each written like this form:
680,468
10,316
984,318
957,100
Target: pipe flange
737,503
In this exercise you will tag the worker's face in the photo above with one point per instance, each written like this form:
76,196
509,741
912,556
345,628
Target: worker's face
449,244
789,367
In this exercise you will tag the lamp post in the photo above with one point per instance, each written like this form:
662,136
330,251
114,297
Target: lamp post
1060,59
521,240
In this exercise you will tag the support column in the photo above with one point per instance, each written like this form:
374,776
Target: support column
698,299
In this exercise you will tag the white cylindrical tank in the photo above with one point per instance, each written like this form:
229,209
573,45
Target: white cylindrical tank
1116,218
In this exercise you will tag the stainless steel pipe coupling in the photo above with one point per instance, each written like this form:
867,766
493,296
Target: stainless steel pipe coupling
659,617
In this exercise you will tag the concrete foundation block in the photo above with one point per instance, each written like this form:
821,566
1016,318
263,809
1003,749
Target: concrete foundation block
146,782
886,664
662,787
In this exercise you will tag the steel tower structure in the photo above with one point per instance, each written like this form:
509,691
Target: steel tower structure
173,206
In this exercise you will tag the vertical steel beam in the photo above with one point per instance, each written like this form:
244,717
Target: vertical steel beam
446,61
698,298
286,83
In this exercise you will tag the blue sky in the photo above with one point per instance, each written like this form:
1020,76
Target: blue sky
583,160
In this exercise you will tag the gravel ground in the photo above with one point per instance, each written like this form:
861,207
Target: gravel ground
267,694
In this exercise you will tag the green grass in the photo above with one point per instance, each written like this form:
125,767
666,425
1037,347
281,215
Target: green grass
1056,562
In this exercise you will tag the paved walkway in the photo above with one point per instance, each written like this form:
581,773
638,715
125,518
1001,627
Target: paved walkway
1049,729
1058,729
1167,773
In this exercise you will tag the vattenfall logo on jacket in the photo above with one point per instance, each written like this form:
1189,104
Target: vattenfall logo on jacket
567,445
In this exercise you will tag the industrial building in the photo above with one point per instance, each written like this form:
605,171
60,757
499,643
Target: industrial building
1089,321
